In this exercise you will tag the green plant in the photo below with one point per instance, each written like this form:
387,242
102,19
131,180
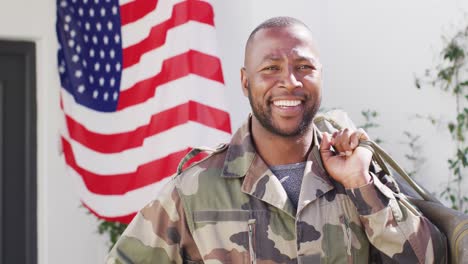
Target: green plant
450,75
113,229
414,156
370,123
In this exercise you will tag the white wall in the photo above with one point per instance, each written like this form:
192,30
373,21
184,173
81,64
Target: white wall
370,50
66,234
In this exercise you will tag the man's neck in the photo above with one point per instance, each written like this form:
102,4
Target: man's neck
278,150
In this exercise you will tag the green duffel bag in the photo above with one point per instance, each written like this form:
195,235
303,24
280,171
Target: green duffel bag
452,223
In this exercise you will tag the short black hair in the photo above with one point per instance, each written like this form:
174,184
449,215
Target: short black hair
277,22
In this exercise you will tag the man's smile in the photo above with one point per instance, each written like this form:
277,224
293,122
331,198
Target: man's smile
287,103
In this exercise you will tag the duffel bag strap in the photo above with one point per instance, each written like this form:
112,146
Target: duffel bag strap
382,158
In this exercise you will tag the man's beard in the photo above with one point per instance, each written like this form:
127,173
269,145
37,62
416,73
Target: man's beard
263,115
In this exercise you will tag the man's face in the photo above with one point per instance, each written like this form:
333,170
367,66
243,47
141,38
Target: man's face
282,79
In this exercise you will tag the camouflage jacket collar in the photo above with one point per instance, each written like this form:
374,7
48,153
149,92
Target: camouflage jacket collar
242,160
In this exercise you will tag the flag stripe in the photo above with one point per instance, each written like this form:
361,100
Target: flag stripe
122,219
172,94
154,148
179,40
118,205
190,62
182,13
135,10
121,183
190,111
135,32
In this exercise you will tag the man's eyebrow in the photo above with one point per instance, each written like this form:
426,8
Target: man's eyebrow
270,57
307,58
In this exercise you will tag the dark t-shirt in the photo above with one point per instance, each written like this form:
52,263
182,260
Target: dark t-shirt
290,176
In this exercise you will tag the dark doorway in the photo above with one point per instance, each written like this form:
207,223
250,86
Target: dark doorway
18,228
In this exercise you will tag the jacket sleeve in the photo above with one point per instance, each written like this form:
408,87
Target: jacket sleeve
395,228
157,234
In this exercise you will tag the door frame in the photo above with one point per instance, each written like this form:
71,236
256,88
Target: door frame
27,51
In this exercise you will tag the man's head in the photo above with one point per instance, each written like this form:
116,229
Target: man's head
282,76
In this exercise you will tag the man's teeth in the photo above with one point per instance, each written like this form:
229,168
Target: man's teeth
285,103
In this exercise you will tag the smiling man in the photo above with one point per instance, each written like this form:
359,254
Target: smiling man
281,191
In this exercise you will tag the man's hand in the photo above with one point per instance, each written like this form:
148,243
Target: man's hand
350,164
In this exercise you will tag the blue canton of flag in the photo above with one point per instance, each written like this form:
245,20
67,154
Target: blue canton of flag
90,53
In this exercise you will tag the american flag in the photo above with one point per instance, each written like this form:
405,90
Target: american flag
141,84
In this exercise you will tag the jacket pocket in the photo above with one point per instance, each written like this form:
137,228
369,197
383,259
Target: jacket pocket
226,235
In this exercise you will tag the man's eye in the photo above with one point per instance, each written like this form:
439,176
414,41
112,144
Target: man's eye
305,67
271,68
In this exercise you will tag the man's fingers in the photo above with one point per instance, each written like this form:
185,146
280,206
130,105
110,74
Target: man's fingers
363,134
341,141
358,136
325,146
346,141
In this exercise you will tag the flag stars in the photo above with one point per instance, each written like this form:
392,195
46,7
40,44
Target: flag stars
90,51
81,88
78,74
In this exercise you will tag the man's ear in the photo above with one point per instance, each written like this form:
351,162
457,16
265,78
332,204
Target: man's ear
244,82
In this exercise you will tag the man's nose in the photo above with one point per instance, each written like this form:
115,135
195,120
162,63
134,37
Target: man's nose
289,79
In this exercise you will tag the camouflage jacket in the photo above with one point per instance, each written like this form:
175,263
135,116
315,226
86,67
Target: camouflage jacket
230,208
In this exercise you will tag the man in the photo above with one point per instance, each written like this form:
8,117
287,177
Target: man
280,192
